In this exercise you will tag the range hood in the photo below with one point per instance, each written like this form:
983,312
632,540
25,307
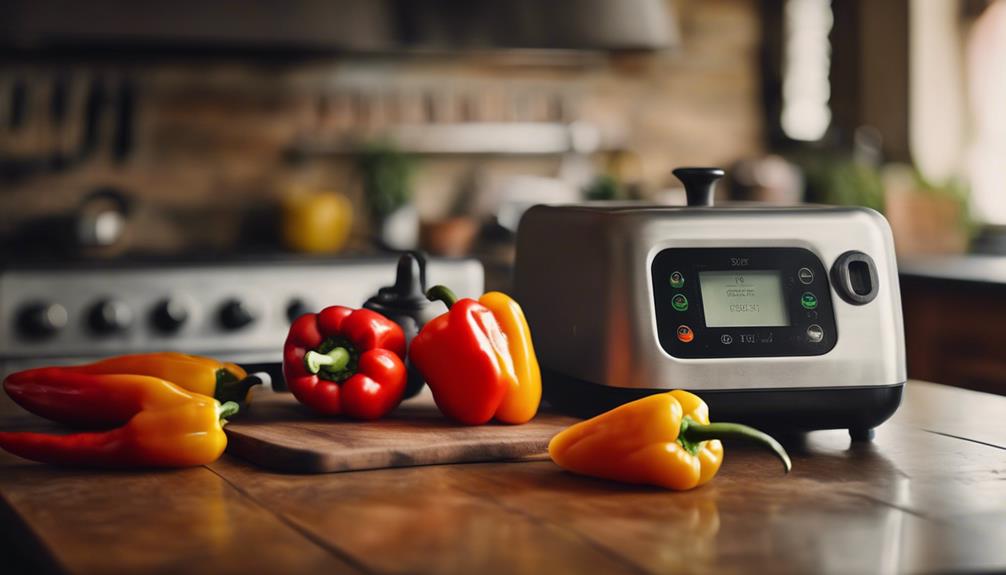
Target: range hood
356,26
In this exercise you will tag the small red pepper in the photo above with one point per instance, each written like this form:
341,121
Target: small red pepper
342,361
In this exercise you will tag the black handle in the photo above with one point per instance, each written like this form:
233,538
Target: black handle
409,277
699,184
408,293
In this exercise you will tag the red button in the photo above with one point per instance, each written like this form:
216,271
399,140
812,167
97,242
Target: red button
685,334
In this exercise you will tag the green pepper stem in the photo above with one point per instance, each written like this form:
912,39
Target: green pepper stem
227,409
696,432
442,293
334,361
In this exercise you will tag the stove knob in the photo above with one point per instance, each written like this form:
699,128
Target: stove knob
41,319
236,314
110,316
170,315
295,308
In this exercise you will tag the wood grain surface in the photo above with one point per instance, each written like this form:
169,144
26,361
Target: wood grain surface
279,433
928,495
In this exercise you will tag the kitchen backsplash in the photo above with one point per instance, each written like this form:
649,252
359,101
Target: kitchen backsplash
204,148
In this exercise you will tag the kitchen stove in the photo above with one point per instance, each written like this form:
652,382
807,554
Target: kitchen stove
232,310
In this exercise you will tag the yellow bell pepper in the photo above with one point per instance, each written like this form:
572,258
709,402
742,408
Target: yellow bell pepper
316,221
663,439
520,403
179,436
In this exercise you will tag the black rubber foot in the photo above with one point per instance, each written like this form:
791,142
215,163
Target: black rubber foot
866,434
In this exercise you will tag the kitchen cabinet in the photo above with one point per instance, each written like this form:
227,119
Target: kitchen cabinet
954,313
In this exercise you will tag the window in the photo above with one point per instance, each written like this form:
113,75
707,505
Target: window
806,87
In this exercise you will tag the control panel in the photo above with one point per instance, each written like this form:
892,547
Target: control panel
742,302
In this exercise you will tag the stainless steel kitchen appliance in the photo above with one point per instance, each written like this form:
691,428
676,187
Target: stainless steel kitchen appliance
782,317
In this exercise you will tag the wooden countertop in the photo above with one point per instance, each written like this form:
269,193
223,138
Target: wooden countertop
929,494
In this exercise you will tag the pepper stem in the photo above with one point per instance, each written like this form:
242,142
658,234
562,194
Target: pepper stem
232,389
693,432
334,361
227,409
442,293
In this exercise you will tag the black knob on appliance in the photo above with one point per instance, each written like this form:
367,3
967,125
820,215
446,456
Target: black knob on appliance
236,314
405,303
700,183
41,319
109,316
170,315
295,308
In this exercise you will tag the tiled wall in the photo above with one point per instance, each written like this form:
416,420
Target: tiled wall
212,137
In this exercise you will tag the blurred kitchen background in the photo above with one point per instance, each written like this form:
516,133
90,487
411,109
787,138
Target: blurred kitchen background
235,131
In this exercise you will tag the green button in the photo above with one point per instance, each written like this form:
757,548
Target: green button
677,280
679,302
808,300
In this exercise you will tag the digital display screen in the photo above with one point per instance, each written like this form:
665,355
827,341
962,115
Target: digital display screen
743,298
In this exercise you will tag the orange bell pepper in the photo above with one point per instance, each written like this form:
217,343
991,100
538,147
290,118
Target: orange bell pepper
203,375
663,439
523,395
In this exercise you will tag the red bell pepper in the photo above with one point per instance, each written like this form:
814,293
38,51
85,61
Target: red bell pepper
465,358
342,361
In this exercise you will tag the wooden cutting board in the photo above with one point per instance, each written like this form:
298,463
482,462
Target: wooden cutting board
279,433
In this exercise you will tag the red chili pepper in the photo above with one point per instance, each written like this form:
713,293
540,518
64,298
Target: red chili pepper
465,358
342,361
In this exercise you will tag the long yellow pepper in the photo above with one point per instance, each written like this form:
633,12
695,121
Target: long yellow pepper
204,375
